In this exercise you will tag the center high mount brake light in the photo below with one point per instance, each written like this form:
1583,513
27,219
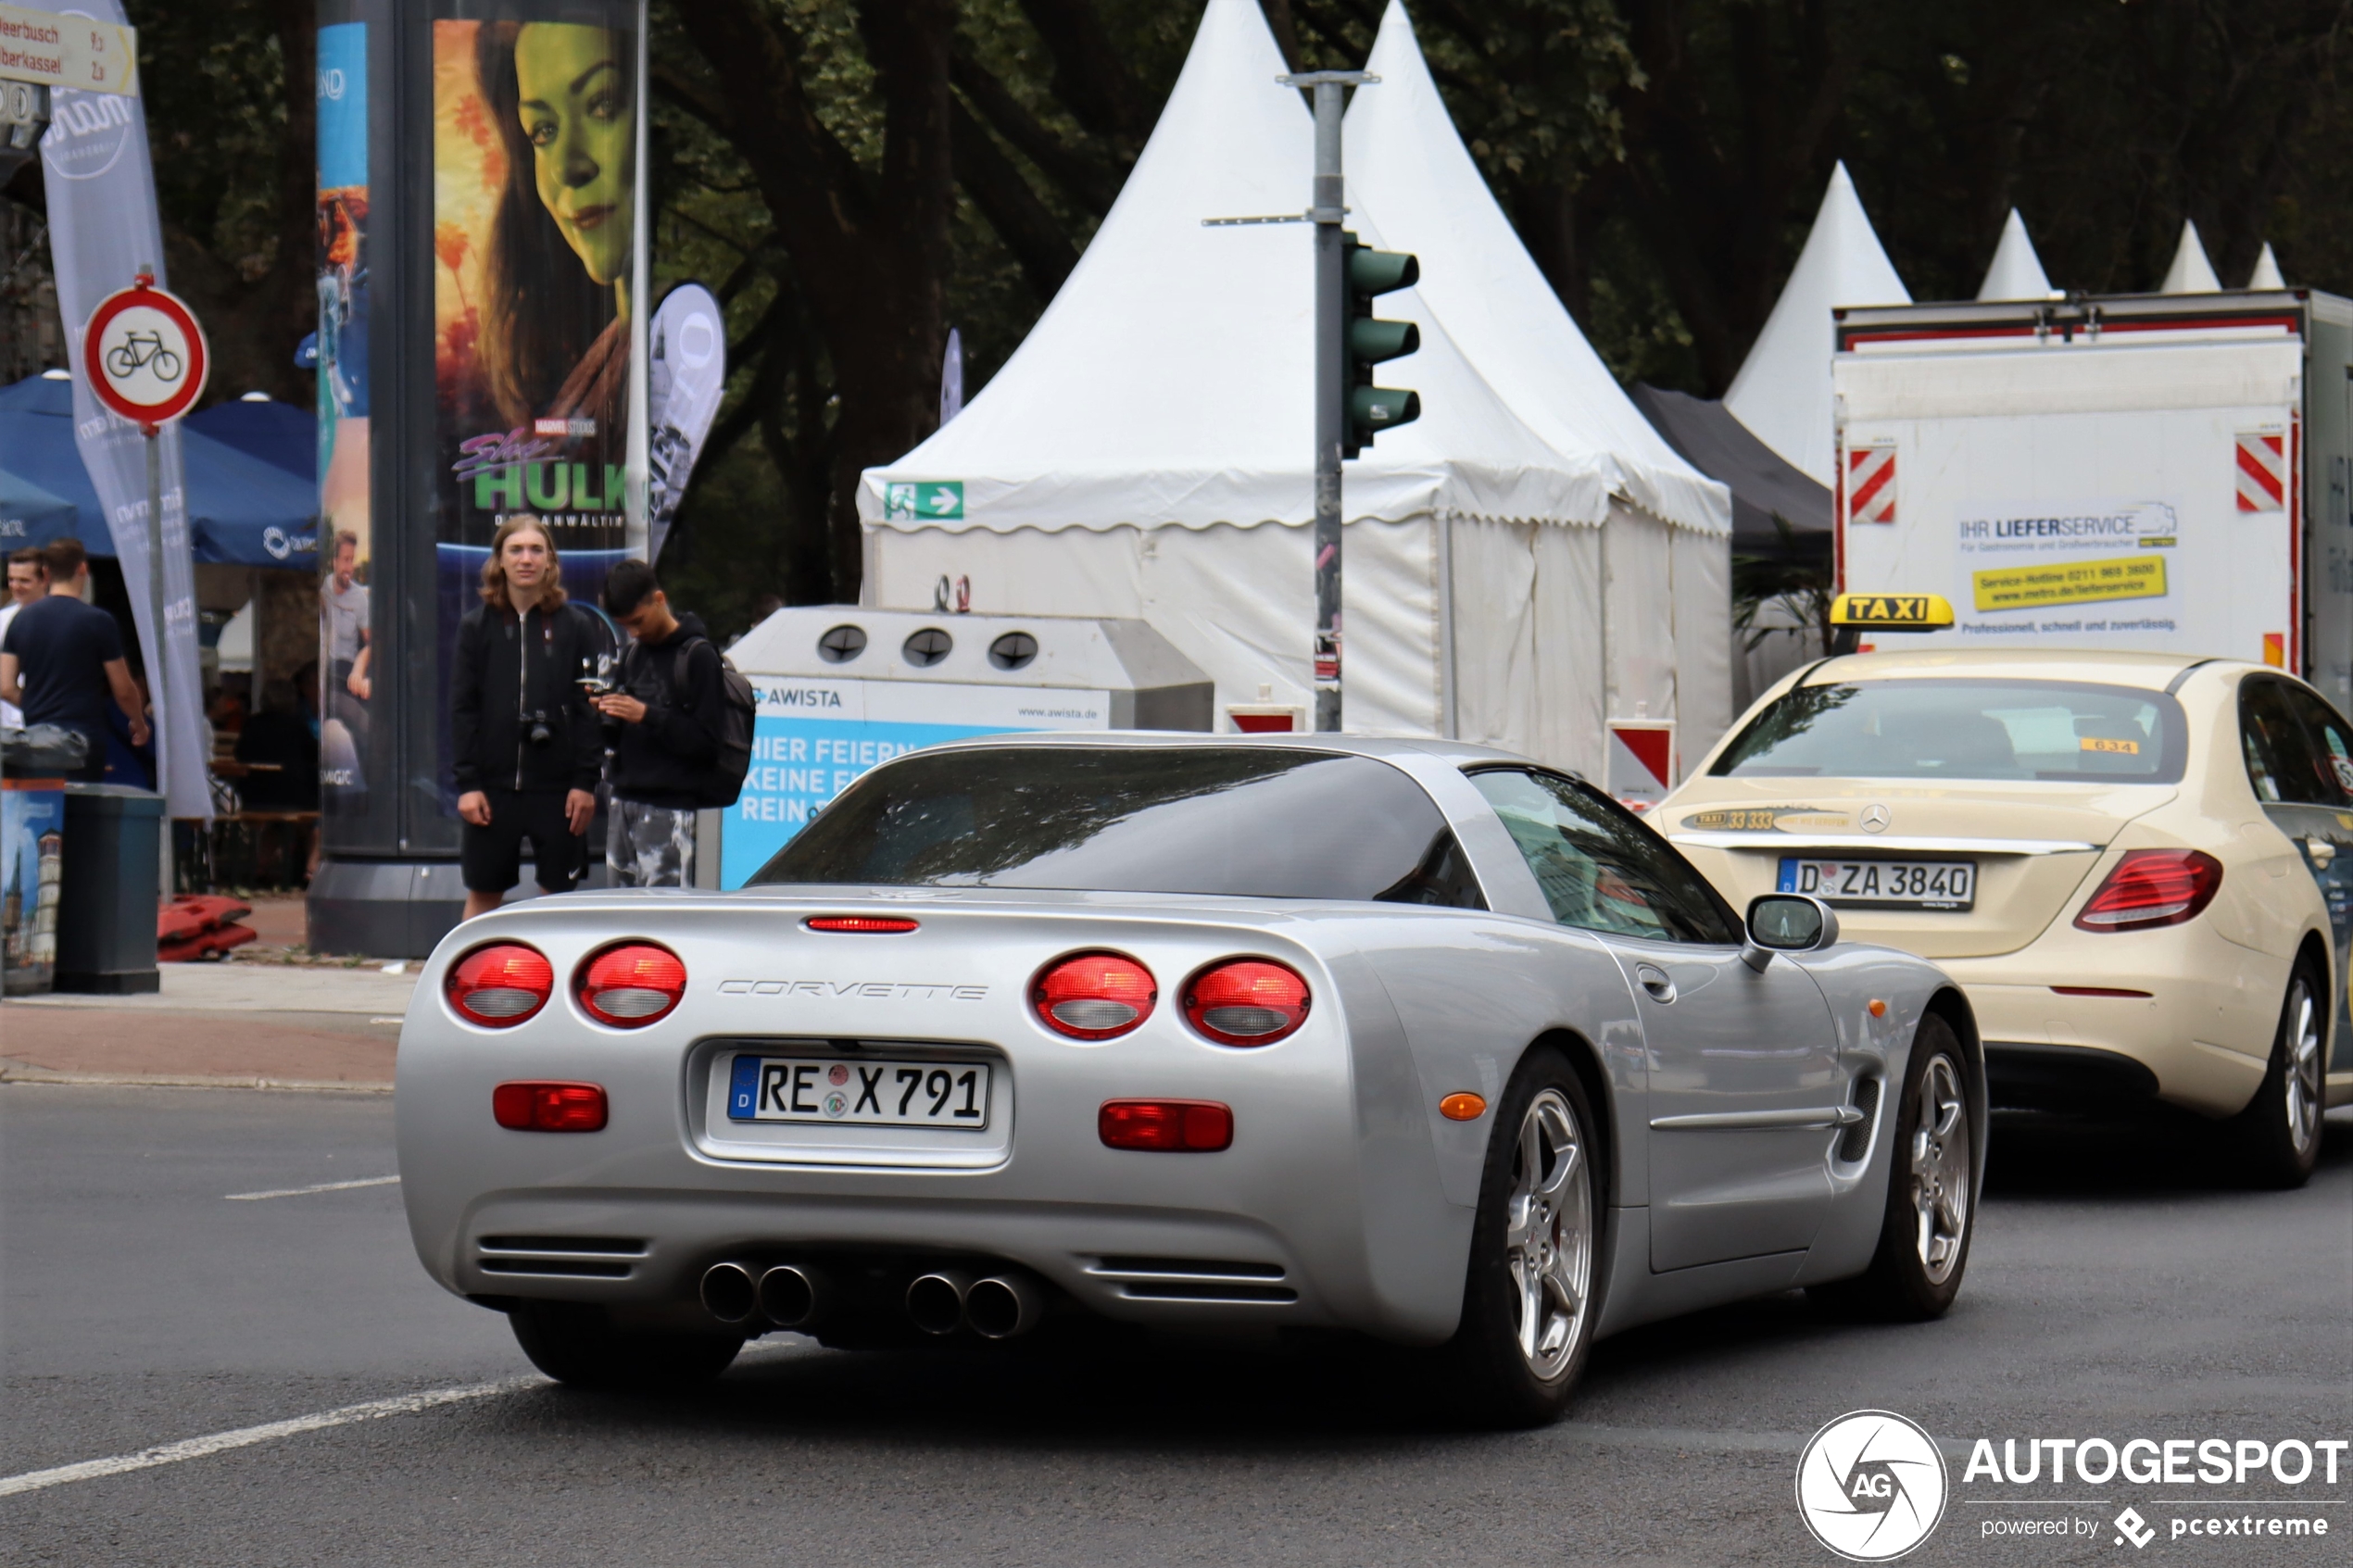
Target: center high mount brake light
876,925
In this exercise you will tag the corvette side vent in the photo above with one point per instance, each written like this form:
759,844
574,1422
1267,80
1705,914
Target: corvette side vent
1193,1279
574,1256
1855,1141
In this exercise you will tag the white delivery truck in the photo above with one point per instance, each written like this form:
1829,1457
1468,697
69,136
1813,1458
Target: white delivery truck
2160,472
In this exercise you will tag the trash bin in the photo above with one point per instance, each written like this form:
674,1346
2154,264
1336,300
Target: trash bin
108,896
34,765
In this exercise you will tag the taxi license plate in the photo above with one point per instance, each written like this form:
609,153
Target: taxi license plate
1893,884
860,1092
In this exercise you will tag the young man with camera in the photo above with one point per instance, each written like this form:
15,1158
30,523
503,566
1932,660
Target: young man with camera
527,749
667,721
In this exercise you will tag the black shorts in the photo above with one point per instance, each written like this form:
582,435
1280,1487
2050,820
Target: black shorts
491,857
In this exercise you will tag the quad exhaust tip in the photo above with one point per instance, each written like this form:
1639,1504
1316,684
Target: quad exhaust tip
935,1301
789,1294
1005,1305
729,1292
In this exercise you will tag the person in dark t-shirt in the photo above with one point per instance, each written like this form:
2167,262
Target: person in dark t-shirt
62,659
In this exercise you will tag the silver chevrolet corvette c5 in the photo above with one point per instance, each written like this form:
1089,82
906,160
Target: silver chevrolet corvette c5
1407,1037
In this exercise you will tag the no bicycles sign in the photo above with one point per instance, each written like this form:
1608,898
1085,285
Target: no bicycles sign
144,355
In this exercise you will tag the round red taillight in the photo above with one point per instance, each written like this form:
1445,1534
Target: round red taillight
1246,1002
1094,996
500,985
631,985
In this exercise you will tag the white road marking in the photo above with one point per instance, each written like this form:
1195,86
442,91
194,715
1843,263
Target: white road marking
396,1018
304,1192
245,1437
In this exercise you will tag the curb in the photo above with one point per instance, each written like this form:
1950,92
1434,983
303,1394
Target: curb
13,1073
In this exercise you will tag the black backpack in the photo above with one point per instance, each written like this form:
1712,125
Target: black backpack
736,706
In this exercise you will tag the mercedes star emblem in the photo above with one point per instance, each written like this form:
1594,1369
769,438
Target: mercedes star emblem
1875,819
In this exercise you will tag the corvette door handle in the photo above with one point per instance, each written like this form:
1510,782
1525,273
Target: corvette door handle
1656,982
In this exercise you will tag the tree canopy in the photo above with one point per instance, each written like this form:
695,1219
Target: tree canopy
855,177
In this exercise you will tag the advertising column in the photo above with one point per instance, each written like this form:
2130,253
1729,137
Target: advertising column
481,276
352,751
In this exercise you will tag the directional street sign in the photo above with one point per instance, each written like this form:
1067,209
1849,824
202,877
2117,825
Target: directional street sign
144,355
58,50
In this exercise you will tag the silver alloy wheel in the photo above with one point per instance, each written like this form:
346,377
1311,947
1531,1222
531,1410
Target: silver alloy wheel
2302,1068
1548,1235
1940,1168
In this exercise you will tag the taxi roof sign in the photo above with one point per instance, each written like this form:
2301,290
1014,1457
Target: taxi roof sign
1893,612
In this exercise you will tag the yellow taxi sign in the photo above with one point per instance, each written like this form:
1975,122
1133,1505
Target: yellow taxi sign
1893,612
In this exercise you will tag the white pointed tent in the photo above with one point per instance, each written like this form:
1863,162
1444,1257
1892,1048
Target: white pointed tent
2016,272
1667,545
2191,272
1145,452
1783,393
2267,270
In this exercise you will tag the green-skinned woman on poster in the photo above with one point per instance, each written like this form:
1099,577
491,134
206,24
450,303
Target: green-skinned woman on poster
555,340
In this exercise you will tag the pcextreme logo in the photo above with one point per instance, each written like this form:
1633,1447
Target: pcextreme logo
1871,1486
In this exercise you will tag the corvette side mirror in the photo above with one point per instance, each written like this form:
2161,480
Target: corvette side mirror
1786,922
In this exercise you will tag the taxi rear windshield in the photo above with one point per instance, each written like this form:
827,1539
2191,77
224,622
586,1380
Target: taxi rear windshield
1962,729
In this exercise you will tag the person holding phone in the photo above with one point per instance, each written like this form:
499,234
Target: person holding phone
665,722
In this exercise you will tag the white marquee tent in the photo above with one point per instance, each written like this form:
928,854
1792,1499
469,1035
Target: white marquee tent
1783,393
1145,454
2016,271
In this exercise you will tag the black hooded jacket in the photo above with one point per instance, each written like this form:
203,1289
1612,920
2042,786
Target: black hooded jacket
512,675
666,757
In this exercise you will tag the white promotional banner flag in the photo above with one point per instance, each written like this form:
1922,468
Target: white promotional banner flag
686,376
102,229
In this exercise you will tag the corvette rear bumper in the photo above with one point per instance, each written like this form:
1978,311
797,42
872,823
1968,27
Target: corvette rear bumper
640,1249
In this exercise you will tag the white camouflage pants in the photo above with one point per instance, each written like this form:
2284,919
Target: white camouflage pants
649,846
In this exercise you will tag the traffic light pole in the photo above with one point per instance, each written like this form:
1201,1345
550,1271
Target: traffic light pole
1328,211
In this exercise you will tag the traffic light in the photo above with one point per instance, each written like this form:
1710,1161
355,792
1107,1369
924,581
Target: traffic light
1367,409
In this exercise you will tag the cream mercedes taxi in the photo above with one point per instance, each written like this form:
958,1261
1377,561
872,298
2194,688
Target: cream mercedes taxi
2137,865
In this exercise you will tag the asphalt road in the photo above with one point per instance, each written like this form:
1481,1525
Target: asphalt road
2120,1288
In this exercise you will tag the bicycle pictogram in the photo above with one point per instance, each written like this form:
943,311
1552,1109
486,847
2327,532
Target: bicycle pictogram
138,350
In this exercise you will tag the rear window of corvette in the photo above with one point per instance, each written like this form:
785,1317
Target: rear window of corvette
1215,821
1963,729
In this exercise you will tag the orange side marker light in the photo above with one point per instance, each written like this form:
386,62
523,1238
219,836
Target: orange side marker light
1462,1108
1879,1008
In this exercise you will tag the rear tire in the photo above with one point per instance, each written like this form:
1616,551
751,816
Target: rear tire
577,1345
1932,1192
2279,1133
1530,1297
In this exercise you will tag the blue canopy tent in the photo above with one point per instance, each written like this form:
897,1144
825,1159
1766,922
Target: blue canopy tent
242,511
30,515
279,434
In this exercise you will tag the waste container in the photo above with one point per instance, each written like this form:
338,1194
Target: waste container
34,765
108,896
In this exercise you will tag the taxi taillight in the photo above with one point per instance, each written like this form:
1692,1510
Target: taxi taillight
2153,887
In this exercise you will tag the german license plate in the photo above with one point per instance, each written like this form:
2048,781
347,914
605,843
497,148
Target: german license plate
860,1092
1898,885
